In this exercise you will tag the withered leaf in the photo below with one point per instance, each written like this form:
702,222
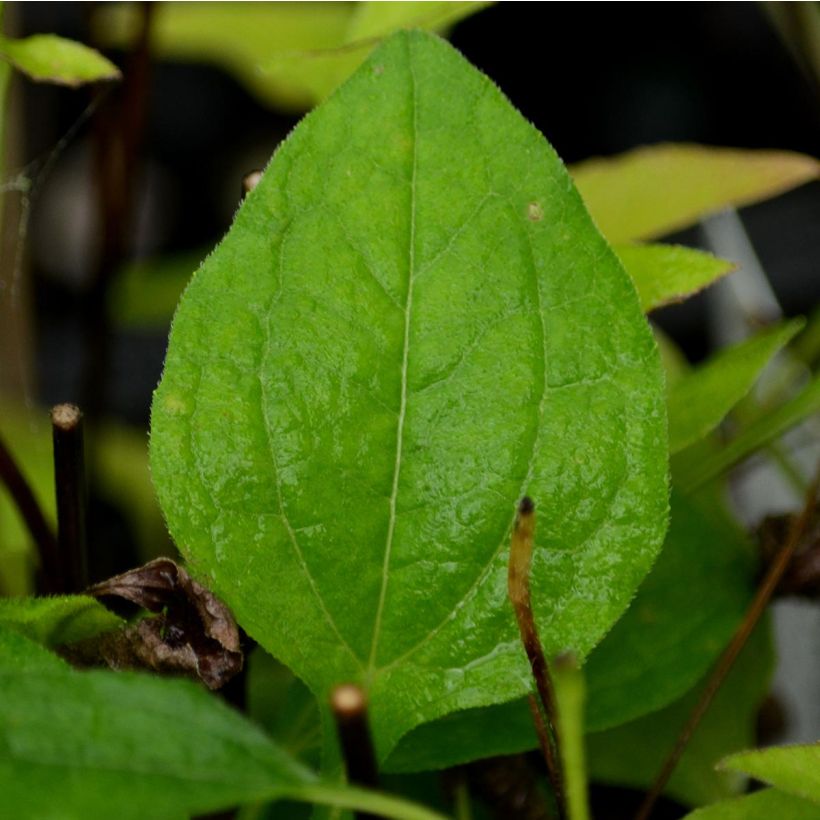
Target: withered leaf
193,632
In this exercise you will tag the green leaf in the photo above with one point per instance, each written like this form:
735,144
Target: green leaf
700,401
768,804
290,55
135,746
653,191
793,769
58,620
694,469
370,371
683,615
570,695
631,755
144,294
52,59
664,274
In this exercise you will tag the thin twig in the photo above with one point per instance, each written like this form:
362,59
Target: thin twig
49,577
518,585
349,705
69,478
724,665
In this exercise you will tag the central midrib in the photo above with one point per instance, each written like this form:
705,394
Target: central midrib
391,526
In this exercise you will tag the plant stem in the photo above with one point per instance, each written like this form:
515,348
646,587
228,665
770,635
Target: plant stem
69,478
764,592
349,705
50,579
518,585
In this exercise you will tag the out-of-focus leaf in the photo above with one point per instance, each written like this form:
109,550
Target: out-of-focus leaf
768,804
350,394
631,755
53,59
193,634
145,293
682,616
570,696
698,402
133,746
57,620
289,55
279,702
653,191
664,274
792,769
28,437
693,469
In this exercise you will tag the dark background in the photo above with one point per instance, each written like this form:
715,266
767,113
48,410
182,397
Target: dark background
596,79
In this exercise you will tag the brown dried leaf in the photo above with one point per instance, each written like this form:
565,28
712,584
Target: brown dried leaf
193,633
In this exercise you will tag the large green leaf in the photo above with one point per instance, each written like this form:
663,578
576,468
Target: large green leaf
653,191
411,323
684,613
664,274
53,59
102,744
793,769
58,620
768,804
699,401
632,754
290,55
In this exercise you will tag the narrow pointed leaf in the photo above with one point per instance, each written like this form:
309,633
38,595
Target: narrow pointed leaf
664,274
53,59
694,470
793,769
58,620
653,191
762,805
700,401
411,324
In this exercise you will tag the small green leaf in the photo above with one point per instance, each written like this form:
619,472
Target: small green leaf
58,620
653,191
376,364
631,755
769,804
664,274
792,769
694,469
570,695
52,59
699,401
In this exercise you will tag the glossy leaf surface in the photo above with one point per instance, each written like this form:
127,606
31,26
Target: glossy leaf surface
57,620
652,191
763,805
793,769
699,401
684,613
48,58
631,755
664,274
370,371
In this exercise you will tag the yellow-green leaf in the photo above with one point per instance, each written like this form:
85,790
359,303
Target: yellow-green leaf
792,769
768,804
653,191
664,274
52,59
